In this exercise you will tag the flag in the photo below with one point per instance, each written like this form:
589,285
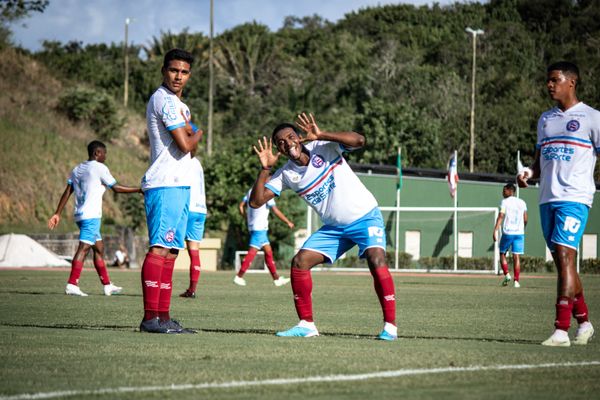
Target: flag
399,169
452,175
520,166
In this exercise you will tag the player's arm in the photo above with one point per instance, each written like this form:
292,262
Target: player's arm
55,219
351,140
242,208
533,172
186,139
497,226
525,218
282,217
125,189
260,193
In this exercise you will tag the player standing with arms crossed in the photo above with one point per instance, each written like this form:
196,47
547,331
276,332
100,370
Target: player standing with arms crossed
568,139
89,181
318,172
166,187
513,217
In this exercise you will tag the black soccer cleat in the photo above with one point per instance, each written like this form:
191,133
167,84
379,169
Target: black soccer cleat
188,294
172,324
155,326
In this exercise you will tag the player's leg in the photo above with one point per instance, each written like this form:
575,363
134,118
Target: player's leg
72,287
257,240
504,246
108,288
277,280
193,237
518,248
517,269
386,292
302,286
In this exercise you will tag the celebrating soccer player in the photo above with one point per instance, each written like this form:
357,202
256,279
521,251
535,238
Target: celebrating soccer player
318,172
89,181
166,186
568,138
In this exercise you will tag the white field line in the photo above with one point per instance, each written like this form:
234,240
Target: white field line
292,381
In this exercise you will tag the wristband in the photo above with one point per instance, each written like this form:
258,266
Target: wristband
194,127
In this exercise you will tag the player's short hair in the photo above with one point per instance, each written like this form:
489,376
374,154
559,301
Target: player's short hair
510,186
568,68
283,126
93,146
178,54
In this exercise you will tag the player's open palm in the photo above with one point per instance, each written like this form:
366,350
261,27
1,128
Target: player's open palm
264,151
53,221
309,126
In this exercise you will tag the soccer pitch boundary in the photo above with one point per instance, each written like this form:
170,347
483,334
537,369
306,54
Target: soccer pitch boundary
292,381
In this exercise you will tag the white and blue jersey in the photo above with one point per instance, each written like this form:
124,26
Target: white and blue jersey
257,218
89,181
514,210
169,166
568,142
327,184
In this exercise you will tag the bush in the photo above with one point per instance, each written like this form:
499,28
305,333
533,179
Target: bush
94,107
590,266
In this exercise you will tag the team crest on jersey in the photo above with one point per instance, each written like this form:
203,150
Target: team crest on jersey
294,177
170,236
317,161
187,114
573,125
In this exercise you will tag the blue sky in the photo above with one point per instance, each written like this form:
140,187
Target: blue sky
102,21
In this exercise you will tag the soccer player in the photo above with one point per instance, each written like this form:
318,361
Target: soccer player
513,217
195,225
166,187
89,181
258,225
568,139
318,172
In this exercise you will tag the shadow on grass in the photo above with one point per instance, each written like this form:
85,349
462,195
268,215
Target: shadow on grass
61,293
129,328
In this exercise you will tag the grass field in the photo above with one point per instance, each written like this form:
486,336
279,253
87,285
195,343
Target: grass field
461,337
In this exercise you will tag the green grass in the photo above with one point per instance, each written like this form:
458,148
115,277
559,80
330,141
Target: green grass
52,342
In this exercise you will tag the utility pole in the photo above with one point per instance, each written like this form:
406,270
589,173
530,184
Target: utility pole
474,33
126,57
209,140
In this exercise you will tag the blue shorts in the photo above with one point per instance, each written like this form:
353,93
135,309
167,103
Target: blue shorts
563,222
89,230
333,241
195,227
166,215
258,239
516,242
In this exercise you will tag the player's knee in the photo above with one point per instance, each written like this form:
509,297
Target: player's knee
300,262
376,259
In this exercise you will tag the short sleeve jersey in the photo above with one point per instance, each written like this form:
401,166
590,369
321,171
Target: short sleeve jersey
89,181
197,193
169,166
513,210
258,218
568,143
327,184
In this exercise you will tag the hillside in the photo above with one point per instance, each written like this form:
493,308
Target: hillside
39,147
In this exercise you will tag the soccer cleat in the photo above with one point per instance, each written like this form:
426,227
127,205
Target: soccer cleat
385,335
111,289
155,326
188,294
506,280
238,280
584,334
558,339
281,281
74,290
175,326
303,329
517,284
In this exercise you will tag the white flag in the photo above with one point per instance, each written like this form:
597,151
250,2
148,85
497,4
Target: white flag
452,176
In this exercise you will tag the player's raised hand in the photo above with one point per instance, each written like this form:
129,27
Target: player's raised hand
53,221
522,179
309,126
264,151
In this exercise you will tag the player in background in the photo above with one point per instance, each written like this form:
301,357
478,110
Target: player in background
258,225
513,217
568,140
166,187
89,181
195,224
318,172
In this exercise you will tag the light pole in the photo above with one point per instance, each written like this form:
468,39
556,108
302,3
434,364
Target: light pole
474,33
209,139
126,57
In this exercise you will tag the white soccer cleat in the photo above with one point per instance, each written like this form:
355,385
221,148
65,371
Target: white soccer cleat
111,289
517,284
73,290
559,338
303,329
584,334
281,281
238,280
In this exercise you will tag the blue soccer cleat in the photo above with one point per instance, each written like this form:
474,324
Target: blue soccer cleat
303,329
385,335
